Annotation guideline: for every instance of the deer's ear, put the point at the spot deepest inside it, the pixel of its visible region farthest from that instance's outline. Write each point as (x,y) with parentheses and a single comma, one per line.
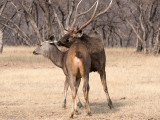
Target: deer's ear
(51,37)
(51,43)
(65,31)
(80,34)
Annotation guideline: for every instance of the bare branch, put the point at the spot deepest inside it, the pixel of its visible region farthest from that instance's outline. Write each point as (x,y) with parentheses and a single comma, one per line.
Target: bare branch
(3,7)
(70,13)
(15,31)
(18,28)
(59,22)
(141,23)
(16,8)
(138,36)
(39,39)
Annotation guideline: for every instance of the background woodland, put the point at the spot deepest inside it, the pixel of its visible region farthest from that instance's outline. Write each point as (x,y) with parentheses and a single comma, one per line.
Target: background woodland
(128,23)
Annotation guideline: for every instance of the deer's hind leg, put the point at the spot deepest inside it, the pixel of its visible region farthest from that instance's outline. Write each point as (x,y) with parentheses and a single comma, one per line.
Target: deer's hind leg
(77,97)
(86,93)
(104,83)
(79,104)
(66,85)
(74,88)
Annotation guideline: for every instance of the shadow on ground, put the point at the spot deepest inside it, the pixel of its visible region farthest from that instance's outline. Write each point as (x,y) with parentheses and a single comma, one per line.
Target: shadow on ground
(103,108)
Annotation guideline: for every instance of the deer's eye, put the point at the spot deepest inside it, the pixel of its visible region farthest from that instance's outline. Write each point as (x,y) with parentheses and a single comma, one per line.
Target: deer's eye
(67,40)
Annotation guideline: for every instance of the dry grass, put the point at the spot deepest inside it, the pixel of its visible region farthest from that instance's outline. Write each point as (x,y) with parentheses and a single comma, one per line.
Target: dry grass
(32,87)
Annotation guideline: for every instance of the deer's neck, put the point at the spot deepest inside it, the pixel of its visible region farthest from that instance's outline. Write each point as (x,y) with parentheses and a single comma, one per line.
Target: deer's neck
(56,57)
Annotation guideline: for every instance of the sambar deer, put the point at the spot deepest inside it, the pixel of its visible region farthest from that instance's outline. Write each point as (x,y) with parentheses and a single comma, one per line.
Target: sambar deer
(75,62)
(93,42)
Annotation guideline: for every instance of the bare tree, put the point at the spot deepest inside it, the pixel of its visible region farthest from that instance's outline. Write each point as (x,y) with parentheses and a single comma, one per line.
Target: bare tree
(144,22)
(157,42)
(1,34)
(1,42)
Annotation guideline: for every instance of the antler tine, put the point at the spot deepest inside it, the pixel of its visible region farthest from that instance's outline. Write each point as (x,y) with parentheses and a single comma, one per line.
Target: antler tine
(78,7)
(69,15)
(78,15)
(87,10)
(59,22)
(92,18)
(104,10)
(94,15)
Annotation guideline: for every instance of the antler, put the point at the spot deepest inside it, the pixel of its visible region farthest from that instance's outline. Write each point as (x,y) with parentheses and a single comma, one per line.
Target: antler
(94,16)
(80,14)
(77,15)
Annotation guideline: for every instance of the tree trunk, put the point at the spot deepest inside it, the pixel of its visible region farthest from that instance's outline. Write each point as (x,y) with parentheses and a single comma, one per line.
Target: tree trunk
(47,19)
(157,44)
(150,36)
(151,41)
(33,23)
(129,38)
(1,34)
(139,46)
(1,42)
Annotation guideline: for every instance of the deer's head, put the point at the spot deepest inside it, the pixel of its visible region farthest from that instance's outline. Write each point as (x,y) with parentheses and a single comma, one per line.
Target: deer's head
(45,47)
(70,34)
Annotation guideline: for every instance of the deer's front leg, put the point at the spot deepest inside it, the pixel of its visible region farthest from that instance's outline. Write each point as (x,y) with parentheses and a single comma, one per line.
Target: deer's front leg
(79,104)
(66,85)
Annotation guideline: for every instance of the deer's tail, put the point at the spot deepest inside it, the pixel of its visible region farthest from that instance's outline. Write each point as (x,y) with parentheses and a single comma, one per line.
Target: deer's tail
(78,54)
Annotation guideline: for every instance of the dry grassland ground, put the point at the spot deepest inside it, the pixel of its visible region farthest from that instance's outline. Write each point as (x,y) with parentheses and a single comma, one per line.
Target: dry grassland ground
(31,87)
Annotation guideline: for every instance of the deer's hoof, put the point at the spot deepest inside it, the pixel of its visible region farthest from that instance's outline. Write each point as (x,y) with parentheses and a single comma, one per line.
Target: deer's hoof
(76,112)
(72,116)
(89,114)
(79,104)
(64,103)
(110,104)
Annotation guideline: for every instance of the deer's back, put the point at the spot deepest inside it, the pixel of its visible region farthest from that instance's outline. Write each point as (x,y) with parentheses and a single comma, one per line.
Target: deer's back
(93,42)
(95,46)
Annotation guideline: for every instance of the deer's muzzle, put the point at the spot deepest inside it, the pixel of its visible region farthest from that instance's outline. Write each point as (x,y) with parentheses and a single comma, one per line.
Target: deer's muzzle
(35,53)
